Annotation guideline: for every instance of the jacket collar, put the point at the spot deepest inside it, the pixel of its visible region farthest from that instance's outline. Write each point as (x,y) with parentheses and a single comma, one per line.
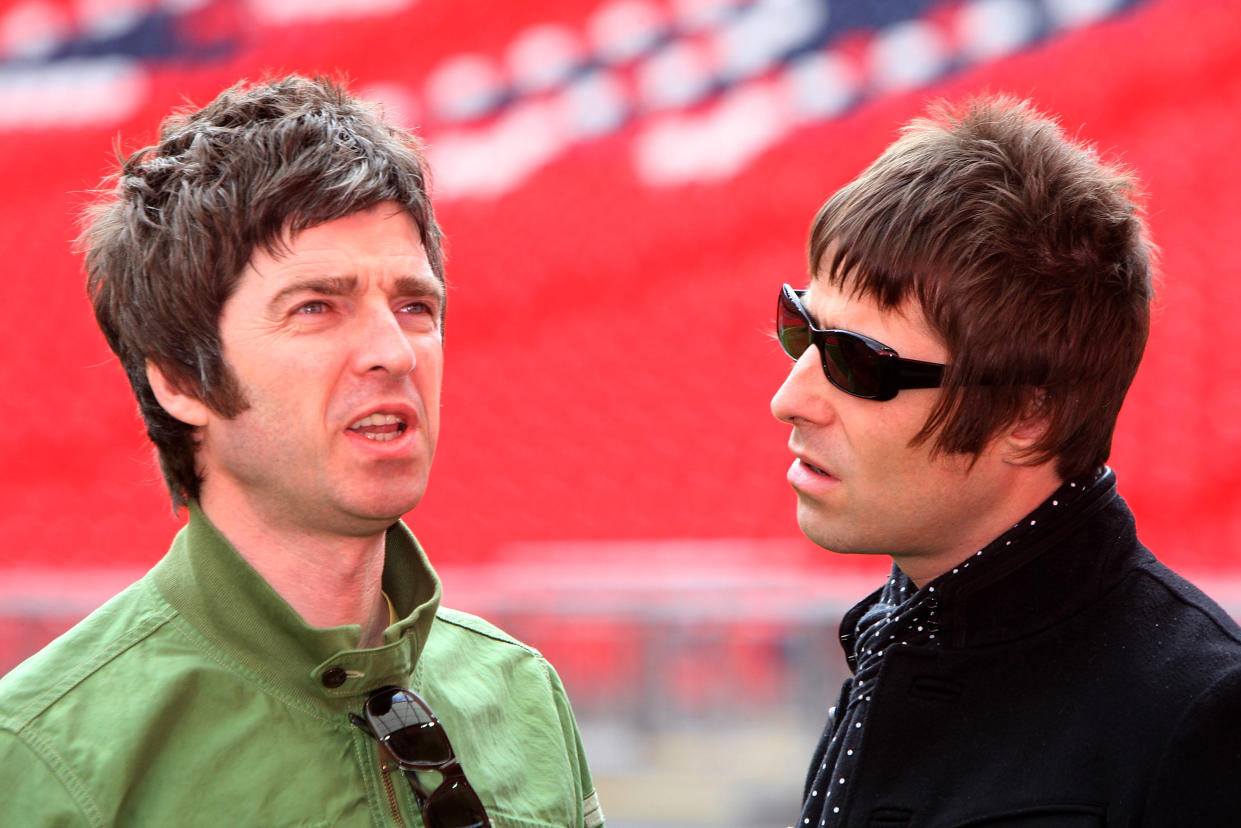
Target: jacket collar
(225,601)
(1058,559)
(1054,571)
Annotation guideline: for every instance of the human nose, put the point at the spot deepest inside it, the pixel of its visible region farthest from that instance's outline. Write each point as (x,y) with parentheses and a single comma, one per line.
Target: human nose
(383,345)
(803,396)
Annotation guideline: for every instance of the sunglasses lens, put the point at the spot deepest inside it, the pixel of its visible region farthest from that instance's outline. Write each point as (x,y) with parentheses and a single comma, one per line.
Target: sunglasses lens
(420,745)
(414,737)
(455,805)
(404,723)
(792,329)
(851,364)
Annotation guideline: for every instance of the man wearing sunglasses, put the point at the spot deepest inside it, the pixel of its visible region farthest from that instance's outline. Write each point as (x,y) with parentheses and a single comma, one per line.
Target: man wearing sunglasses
(270,276)
(978,305)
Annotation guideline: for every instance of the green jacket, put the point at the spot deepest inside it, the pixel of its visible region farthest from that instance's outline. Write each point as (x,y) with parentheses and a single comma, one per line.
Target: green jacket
(198,697)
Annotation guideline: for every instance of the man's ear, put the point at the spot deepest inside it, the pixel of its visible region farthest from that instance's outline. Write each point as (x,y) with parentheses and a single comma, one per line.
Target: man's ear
(186,408)
(1022,435)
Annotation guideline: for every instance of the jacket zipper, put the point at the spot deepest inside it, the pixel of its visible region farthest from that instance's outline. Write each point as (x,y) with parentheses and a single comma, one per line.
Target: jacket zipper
(385,770)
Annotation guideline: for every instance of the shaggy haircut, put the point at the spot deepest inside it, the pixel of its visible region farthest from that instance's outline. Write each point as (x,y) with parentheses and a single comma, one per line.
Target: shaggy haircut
(1027,255)
(167,244)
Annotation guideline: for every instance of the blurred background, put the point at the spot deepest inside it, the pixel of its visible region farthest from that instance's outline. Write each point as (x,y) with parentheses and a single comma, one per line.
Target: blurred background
(624,184)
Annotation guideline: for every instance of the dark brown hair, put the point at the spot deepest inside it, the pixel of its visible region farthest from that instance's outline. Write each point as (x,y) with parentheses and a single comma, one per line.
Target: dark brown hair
(167,244)
(1029,258)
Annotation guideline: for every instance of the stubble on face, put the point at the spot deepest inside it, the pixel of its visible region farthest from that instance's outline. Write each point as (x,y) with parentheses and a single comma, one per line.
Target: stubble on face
(335,339)
(864,485)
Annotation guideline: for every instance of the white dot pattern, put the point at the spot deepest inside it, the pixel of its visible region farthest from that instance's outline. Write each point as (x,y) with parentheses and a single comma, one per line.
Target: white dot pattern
(911,616)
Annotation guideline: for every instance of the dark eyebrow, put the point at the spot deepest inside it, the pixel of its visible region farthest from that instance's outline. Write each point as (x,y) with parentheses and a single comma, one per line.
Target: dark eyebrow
(420,286)
(326,286)
(348,285)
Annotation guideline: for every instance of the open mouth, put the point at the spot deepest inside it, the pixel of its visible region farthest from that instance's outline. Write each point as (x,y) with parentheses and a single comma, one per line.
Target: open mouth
(815,469)
(380,427)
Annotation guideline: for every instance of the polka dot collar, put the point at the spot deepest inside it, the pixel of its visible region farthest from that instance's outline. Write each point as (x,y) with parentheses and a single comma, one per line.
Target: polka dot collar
(903,616)
(906,598)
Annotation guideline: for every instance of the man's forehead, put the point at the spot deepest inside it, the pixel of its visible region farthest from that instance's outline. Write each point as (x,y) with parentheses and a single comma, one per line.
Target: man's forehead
(827,295)
(328,263)
(852,283)
(360,230)
(834,303)
(378,246)
(294,227)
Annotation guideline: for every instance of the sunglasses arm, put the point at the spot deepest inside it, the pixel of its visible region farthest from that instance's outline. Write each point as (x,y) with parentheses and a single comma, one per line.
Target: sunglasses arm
(361,725)
(911,373)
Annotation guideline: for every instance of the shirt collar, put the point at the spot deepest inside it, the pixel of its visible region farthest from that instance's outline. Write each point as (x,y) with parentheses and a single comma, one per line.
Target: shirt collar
(995,587)
(1028,536)
(228,603)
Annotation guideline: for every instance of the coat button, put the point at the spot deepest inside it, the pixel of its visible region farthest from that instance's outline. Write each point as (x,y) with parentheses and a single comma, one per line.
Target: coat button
(334,677)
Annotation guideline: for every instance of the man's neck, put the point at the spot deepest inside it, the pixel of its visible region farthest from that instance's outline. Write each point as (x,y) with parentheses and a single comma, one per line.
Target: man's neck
(330,580)
(1024,493)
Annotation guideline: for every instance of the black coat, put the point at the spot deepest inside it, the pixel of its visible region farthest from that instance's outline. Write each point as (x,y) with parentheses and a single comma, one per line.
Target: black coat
(1080,683)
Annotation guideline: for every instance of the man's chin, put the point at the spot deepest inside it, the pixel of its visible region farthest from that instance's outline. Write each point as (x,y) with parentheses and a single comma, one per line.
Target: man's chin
(373,515)
(813,525)
(827,533)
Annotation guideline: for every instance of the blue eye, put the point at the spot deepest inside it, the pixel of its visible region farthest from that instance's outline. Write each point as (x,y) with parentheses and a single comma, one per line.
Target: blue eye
(312,308)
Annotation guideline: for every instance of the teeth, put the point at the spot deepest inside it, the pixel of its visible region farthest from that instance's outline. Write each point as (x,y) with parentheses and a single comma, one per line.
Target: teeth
(381,438)
(377,420)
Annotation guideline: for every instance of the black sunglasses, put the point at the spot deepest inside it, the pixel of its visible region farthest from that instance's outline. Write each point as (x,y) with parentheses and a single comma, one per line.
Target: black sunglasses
(855,364)
(403,723)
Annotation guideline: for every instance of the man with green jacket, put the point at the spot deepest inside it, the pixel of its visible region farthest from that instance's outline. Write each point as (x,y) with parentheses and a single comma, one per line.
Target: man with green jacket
(270,276)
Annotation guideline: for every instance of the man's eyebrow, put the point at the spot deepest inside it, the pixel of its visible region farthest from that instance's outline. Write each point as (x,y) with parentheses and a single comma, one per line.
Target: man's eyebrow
(420,286)
(348,285)
(325,285)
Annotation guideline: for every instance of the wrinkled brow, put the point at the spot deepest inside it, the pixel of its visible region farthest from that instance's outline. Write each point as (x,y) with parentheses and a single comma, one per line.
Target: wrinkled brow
(349,286)
(420,286)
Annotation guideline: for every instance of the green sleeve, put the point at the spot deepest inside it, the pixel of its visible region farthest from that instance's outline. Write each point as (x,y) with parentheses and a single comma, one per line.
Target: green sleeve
(40,790)
(592,813)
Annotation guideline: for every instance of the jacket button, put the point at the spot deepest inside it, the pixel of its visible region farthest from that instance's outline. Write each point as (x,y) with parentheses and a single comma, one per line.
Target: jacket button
(333,677)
